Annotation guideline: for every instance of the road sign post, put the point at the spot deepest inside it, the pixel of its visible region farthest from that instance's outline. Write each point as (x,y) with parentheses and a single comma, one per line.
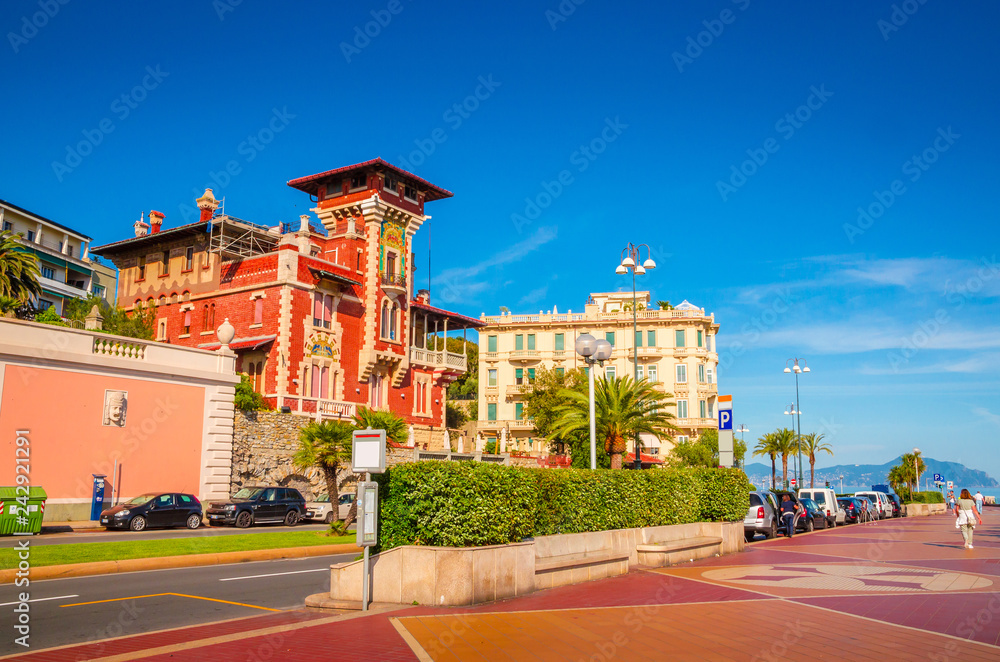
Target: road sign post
(367,457)
(725,407)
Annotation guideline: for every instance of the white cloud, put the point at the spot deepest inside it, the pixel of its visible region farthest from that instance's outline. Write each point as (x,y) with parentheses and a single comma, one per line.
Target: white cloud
(987,414)
(534,296)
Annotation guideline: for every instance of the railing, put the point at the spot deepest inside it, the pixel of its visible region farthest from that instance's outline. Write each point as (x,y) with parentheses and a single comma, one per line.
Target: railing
(582,317)
(522,423)
(392,280)
(438,359)
(525,354)
(518,389)
(119,348)
(335,408)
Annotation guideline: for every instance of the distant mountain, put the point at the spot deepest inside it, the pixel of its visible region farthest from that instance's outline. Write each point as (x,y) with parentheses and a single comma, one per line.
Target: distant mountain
(867,475)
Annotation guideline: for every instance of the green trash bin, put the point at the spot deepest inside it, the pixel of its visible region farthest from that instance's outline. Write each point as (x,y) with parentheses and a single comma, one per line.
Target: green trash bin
(13,511)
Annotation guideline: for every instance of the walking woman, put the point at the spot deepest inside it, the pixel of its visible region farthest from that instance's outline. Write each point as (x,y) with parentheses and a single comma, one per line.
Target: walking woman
(965,511)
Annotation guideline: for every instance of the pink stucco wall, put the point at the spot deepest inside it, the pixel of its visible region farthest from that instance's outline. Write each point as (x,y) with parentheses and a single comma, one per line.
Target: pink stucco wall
(158,449)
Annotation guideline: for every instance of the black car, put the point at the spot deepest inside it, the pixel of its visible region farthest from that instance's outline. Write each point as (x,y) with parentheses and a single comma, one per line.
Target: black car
(816,518)
(852,508)
(897,508)
(154,509)
(257,505)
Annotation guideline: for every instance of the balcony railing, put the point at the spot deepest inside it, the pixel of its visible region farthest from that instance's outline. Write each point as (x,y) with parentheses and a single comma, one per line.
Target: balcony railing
(519,389)
(438,359)
(625,315)
(336,409)
(397,281)
(525,354)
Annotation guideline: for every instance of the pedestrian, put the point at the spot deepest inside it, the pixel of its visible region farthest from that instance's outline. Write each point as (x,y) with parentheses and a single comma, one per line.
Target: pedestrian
(788,508)
(951,500)
(979,499)
(965,512)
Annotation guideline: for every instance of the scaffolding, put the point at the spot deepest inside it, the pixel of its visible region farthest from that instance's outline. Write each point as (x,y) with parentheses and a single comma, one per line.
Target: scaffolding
(235,239)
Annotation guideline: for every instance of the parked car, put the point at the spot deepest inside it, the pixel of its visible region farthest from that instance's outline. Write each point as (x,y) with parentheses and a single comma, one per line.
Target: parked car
(322,509)
(762,517)
(868,509)
(853,509)
(798,522)
(897,505)
(258,505)
(815,518)
(826,498)
(154,509)
(881,502)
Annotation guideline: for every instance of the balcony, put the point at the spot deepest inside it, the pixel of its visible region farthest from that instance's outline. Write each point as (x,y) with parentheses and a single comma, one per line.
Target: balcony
(438,359)
(335,409)
(519,390)
(695,422)
(392,282)
(525,355)
(59,287)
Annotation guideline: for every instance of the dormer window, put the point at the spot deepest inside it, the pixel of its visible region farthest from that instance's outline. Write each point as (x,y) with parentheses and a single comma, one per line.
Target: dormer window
(410,193)
(391,185)
(358,182)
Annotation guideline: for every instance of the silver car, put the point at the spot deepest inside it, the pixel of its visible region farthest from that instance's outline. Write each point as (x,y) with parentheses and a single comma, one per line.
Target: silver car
(761,516)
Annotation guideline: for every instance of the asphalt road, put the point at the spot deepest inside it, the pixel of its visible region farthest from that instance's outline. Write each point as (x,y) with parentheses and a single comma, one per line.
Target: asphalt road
(100,535)
(135,604)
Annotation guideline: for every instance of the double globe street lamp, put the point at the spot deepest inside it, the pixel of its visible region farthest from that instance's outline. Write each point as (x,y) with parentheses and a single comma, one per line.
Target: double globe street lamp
(593,351)
(798,414)
(630,262)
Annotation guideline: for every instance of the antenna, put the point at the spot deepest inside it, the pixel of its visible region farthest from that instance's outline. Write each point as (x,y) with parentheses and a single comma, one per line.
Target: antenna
(428,262)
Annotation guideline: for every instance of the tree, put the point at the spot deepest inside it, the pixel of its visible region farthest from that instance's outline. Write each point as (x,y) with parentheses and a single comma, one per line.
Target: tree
(247,399)
(704,451)
(766,445)
(325,445)
(812,444)
(624,409)
(455,416)
(906,465)
(898,479)
(466,387)
(139,324)
(19,270)
(786,443)
(546,396)
(396,429)
(664,305)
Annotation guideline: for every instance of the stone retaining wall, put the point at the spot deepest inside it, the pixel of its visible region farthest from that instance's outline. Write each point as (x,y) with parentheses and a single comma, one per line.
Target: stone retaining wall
(924,509)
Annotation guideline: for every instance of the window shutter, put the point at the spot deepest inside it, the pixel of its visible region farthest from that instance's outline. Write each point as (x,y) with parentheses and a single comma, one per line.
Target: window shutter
(651,339)
(492,344)
(638,338)
(560,342)
(531,341)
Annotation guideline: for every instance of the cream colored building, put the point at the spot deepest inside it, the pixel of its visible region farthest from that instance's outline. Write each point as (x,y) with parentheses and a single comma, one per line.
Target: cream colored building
(67,269)
(676,350)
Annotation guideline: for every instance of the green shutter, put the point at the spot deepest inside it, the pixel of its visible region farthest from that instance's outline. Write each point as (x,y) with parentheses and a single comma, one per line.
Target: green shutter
(638,338)
(518,373)
(518,410)
(610,337)
(651,339)
(519,341)
(560,342)
(491,411)
(700,339)
(492,344)
(531,341)
(561,371)
(679,338)
(531,374)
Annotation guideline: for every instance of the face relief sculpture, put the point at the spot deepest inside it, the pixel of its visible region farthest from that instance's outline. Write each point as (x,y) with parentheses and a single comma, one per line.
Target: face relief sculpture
(115,403)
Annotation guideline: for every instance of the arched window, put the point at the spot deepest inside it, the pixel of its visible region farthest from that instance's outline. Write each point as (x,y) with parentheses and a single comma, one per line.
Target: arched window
(204,319)
(393,322)
(385,319)
(211,318)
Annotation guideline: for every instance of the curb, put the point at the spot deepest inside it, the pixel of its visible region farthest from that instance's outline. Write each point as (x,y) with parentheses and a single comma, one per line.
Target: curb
(166,562)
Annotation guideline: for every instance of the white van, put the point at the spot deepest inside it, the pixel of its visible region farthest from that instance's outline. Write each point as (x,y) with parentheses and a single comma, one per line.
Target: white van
(881,502)
(826,498)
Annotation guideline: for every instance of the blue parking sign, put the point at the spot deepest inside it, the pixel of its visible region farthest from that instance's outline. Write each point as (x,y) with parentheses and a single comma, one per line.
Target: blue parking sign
(938,478)
(725,419)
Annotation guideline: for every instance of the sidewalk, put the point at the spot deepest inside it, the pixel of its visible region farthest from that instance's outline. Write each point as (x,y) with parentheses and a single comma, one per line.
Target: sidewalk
(902,589)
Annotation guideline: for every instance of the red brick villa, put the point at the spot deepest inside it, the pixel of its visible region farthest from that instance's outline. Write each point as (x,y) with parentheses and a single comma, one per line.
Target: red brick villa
(324,323)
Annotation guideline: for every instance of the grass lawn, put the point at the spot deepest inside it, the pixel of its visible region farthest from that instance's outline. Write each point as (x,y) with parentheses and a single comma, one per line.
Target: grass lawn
(85,552)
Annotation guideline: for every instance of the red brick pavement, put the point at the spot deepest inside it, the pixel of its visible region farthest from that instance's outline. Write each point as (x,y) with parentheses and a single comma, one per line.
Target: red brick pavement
(889,620)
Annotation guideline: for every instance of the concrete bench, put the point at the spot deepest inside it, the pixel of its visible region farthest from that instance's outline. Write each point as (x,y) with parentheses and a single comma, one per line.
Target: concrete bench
(579,557)
(658,554)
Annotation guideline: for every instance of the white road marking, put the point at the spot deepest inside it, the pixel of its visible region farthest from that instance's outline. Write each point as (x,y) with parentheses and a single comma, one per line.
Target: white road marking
(273,574)
(58,597)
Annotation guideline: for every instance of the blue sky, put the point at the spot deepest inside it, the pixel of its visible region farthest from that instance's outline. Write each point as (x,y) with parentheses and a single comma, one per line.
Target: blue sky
(737,139)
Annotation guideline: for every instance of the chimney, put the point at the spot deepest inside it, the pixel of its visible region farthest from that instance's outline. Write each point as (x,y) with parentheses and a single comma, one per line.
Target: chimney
(207,204)
(424,296)
(141,228)
(155,221)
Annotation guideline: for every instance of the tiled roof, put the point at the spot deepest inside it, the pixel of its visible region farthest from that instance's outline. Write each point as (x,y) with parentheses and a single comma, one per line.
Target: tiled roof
(112,247)
(467,321)
(310,183)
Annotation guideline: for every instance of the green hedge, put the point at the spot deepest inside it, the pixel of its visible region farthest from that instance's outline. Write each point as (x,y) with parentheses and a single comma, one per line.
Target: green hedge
(464,504)
(927,497)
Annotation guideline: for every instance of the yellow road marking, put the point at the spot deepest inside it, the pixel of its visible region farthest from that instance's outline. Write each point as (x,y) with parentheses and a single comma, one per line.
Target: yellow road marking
(180,595)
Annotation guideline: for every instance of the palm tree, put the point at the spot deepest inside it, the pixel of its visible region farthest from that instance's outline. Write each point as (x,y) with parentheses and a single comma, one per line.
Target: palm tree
(812,444)
(785,442)
(664,305)
(624,408)
(897,478)
(767,446)
(395,427)
(19,270)
(326,445)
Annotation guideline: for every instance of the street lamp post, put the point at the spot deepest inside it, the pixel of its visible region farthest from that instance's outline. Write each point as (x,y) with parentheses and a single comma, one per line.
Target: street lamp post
(630,262)
(841,484)
(593,352)
(793,411)
(796,369)
(916,474)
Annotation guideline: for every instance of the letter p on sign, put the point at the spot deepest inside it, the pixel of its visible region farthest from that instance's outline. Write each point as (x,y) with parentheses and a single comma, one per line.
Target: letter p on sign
(725,419)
